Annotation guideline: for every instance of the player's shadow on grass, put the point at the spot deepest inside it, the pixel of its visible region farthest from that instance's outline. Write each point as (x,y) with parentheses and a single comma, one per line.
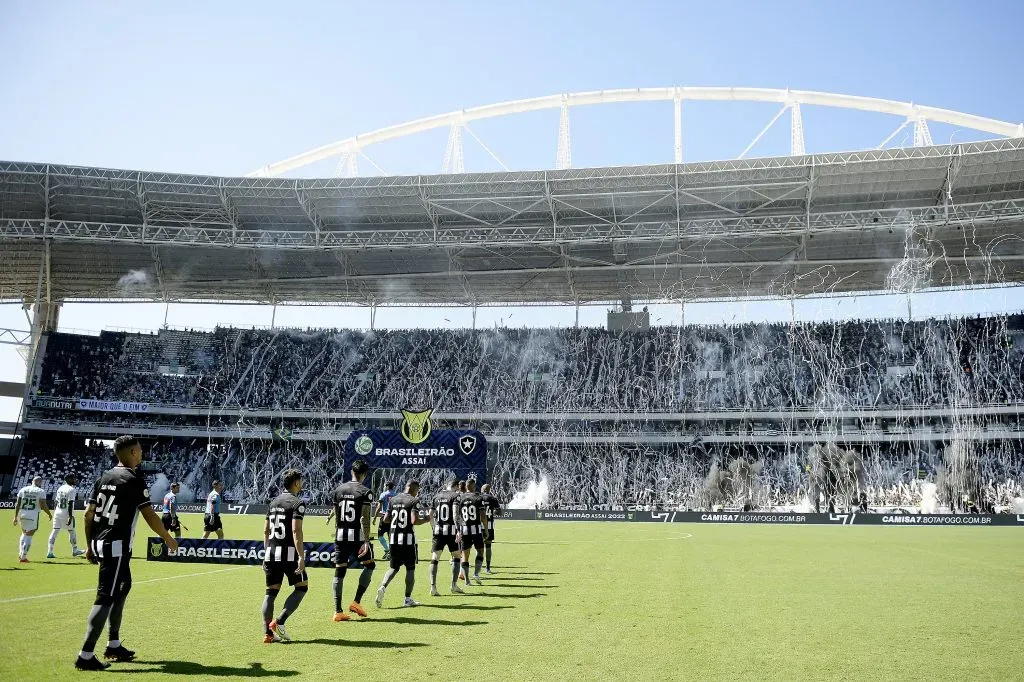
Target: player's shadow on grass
(409,620)
(514,586)
(191,668)
(362,644)
(51,562)
(514,577)
(510,595)
(465,607)
(532,572)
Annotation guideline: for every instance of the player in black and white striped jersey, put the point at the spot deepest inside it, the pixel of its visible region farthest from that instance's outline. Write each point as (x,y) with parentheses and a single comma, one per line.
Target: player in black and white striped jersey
(352,538)
(474,527)
(403,516)
(284,556)
(109,520)
(444,515)
(492,509)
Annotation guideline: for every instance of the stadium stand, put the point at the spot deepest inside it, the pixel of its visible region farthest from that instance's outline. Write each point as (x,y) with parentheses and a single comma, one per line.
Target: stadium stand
(744,367)
(620,380)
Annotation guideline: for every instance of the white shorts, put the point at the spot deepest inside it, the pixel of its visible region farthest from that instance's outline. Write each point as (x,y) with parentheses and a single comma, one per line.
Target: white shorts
(29,522)
(63,520)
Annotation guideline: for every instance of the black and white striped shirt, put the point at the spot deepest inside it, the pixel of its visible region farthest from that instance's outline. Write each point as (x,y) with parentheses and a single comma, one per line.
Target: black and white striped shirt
(402,514)
(471,506)
(118,496)
(280,541)
(350,503)
(446,514)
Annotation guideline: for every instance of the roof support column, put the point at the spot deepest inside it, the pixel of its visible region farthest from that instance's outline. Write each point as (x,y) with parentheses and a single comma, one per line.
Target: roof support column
(796,131)
(453,152)
(310,210)
(677,120)
(922,135)
(563,159)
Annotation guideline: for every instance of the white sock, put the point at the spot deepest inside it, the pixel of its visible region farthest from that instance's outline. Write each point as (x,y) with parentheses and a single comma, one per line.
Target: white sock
(86,654)
(114,643)
(49,543)
(28,543)
(74,541)
(21,546)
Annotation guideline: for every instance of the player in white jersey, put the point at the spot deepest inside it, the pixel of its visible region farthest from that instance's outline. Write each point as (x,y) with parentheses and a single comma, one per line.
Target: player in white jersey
(31,499)
(64,516)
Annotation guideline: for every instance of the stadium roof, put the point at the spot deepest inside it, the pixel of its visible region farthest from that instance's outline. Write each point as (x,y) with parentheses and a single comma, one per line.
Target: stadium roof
(952,215)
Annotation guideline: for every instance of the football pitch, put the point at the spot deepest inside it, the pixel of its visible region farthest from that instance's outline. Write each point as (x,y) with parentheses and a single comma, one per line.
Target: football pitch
(567,600)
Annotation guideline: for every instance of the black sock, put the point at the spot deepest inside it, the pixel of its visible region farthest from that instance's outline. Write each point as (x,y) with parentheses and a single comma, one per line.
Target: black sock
(465,571)
(339,583)
(268,609)
(97,619)
(388,576)
(487,555)
(477,565)
(433,573)
(364,581)
(292,603)
(410,582)
(455,571)
(114,620)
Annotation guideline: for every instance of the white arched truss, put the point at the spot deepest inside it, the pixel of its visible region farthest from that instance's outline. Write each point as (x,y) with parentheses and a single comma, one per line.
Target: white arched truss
(913,114)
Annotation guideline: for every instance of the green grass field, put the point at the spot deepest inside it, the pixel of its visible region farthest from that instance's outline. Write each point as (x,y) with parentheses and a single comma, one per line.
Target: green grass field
(569,600)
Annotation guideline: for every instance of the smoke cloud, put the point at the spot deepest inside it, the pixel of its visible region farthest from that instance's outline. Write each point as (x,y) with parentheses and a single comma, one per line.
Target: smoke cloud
(134,278)
(536,495)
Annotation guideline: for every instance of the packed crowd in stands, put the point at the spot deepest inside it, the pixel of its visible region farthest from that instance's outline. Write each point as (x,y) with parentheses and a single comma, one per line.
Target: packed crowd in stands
(823,367)
(744,367)
(667,476)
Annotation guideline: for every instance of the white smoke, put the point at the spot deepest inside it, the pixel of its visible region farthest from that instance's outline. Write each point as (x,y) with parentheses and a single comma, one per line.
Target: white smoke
(929,498)
(535,495)
(161,485)
(185,494)
(134,277)
(159,488)
(805,506)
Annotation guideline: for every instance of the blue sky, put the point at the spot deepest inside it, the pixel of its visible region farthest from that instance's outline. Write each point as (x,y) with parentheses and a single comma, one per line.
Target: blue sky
(225,87)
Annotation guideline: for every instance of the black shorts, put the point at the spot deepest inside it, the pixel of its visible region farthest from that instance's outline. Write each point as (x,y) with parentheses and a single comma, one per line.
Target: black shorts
(277,571)
(115,579)
(211,523)
(443,542)
(470,541)
(347,553)
(404,555)
(383,528)
(171,523)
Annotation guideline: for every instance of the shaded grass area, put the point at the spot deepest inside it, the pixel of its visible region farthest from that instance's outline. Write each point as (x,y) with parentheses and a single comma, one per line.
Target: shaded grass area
(586,600)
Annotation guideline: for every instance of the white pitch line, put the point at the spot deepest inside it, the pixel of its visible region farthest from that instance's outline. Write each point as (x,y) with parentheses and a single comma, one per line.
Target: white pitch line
(141,582)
